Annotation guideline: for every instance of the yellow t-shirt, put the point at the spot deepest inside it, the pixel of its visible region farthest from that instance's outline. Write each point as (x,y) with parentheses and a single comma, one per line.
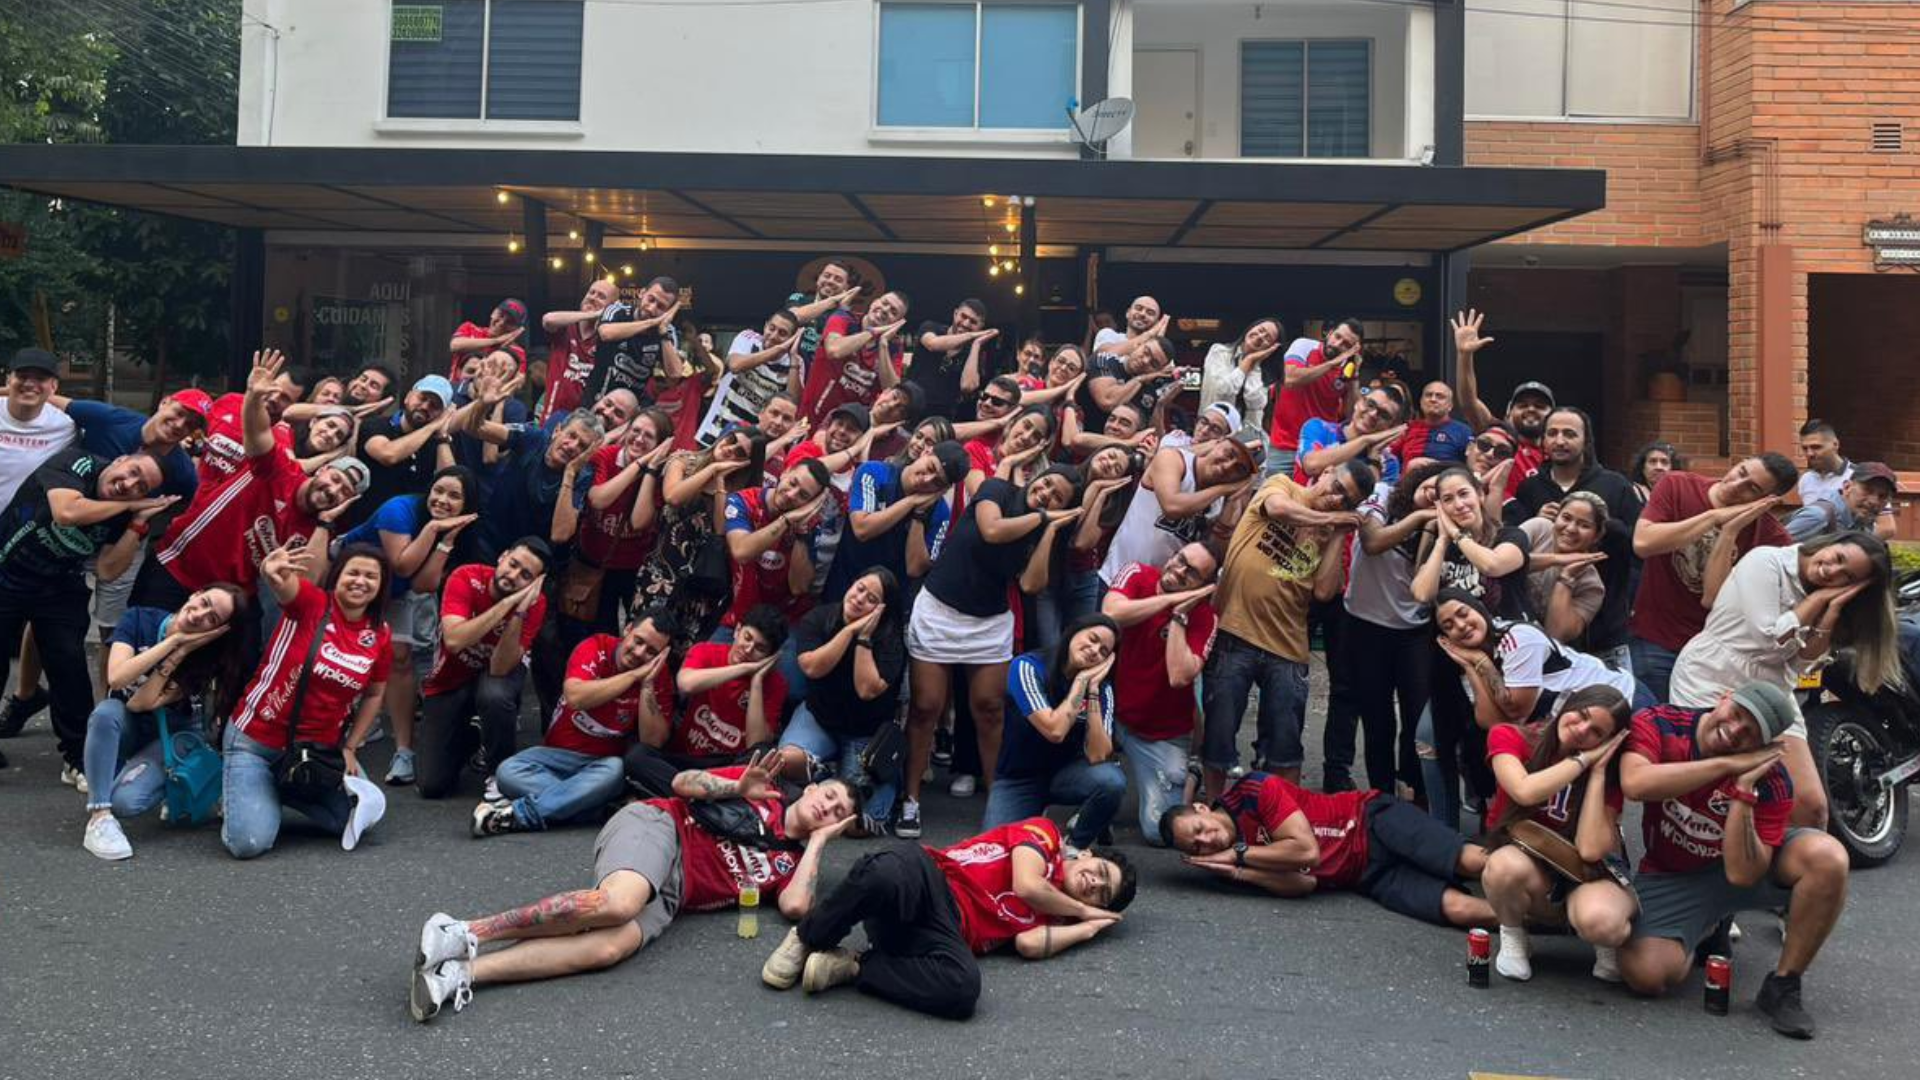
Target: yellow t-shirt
(1267,581)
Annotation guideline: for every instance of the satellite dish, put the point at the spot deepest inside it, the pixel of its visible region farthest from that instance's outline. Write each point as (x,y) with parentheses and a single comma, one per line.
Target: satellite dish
(1101,121)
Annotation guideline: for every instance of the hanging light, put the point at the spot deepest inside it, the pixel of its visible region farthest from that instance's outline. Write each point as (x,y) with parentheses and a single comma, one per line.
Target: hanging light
(556,262)
(626,269)
(1011,227)
(513,245)
(573,234)
(501,197)
(993,270)
(993,249)
(987,202)
(1019,290)
(587,257)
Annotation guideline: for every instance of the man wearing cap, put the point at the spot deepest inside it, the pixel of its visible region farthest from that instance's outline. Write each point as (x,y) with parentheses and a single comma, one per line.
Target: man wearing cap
(502,334)
(403,452)
(637,342)
(232,524)
(1718,843)
(572,340)
(30,430)
(1184,489)
(1863,498)
(1527,406)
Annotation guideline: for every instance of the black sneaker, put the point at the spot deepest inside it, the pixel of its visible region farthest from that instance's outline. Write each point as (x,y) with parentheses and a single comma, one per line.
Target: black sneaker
(1718,943)
(493,819)
(1779,998)
(943,748)
(20,710)
(907,827)
(1335,781)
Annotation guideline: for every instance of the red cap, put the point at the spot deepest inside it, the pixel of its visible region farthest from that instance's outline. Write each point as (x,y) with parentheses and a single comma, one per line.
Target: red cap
(197,402)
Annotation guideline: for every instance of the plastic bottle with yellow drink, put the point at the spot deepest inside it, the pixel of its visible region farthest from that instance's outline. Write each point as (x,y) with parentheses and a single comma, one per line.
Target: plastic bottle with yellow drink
(749,910)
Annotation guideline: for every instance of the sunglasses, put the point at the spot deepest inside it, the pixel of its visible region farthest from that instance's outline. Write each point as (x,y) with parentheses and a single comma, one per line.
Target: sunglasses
(1493,446)
(998,402)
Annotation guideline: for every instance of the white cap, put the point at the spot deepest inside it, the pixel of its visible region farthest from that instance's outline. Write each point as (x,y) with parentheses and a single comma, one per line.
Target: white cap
(369,806)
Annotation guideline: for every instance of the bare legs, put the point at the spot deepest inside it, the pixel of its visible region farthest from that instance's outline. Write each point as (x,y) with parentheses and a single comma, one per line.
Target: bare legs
(564,934)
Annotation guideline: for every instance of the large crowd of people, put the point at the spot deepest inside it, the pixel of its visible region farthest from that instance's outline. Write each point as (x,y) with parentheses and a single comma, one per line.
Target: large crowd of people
(764,598)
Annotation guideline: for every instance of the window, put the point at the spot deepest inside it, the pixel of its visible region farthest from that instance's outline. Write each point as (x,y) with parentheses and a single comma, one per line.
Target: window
(1306,98)
(1580,59)
(977,65)
(485,60)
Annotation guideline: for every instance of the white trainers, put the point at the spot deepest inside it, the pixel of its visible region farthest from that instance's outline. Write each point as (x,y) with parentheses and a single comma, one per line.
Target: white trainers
(444,938)
(826,970)
(963,786)
(74,779)
(434,987)
(782,969)
(1606,963)
(1516,954)
(106,839)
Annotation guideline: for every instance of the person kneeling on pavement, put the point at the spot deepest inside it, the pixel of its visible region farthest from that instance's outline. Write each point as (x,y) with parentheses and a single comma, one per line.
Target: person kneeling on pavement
(1292,842)
(721,831)
(731,698)
(928,913)
(612,694)
(1718,843)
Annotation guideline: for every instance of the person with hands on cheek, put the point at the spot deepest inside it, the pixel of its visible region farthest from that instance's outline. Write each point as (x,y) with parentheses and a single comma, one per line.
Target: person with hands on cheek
(731,699)
(1555,775)
(1233,374)
(928,913)
(325,665)
(720,832)
(1060,752)
(613,696)
(1719,842)
(1275,835)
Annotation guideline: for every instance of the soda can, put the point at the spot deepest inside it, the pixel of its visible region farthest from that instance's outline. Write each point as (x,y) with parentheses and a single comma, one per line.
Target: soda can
(1479,958)
(1719,984)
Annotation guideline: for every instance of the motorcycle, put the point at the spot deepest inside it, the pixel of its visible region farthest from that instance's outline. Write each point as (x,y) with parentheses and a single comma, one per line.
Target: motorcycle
(1867,746)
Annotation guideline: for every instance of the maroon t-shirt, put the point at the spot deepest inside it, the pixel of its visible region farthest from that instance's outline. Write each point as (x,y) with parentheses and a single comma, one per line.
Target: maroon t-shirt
(1669,609)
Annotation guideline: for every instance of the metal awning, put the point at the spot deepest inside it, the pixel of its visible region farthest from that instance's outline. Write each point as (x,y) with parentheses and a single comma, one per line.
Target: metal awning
(829,200)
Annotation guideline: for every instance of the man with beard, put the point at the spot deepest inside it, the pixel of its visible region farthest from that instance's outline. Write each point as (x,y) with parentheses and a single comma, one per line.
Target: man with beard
(1144,322)
(759,366)
(1827,470)
(637,342)
(948,365)
(857,358)
(1183,491)
(406,450)
(1859,504)
(1675,536)
(573,341)
(833,289)
(1142,376)
(1527,406)
(1318,378)
(526,494)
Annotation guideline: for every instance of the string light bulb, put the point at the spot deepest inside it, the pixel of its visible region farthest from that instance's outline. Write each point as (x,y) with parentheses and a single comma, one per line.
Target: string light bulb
(573,234)
(513,245)
(587,257)
(1019,290)
(993,270)
(626,269)
(556,262)
(987,202)
(1011,227)
(501,197)
(993,249)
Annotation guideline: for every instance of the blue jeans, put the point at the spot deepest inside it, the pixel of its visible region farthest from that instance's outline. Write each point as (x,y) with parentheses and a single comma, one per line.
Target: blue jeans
(253,807)
(1095,789)
(1653,666)
(1278,461)
(125,766)
(1061,603)
(788,667)
(550,786)
(1232,672)
(841,754)
(1159,773)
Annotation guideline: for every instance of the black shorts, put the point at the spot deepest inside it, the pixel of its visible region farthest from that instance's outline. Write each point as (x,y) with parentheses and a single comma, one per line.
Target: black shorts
(1411,860)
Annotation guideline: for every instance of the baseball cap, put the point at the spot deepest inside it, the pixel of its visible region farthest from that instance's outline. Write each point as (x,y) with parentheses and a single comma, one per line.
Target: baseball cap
(861,416)
(369,806)
(1252,445)
(1532,388)
(513,309)
(197,402)
(438,386)
(1227,412)
(1874,470)
(355,471)
(34,360)
(1769,706)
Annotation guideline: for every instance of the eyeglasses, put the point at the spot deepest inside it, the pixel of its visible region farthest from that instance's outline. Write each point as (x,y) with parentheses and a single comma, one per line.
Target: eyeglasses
(1493,446)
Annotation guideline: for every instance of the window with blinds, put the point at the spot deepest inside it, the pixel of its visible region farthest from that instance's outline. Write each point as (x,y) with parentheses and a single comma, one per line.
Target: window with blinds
(485,60)
(1306,98)
(982,65)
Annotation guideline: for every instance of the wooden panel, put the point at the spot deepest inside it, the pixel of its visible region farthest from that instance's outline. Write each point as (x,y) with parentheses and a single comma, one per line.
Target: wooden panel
(1094,233)
(895,209)
(1484,218)
(746,204)
(1285,215)
(1209,236)
(139,195)
(814,228)
(1119,211)
(950,232)
(598,201)
(384,220)
(292,196)
(1408,239)
(697,225)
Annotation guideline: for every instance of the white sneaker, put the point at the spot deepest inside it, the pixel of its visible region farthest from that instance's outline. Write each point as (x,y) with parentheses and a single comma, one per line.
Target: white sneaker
(74,779)
(444,938)
(826,970)
(1606,963)
(1734,933)
(1515,960)
(963,786)
(491,793)
(434,987)
(783,968)
(106,839)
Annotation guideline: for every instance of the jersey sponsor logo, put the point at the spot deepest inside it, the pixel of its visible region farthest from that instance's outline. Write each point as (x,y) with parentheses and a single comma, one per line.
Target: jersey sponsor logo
(1690,830)
(978,854)
(586,724)
(331,653)
(706,731)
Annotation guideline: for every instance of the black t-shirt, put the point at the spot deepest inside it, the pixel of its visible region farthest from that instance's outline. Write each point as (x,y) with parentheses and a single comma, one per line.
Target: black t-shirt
(971,575)
(1608,627)
(412,476)
(938,374)
(627,365)
(1505,596)
(36,552)
(835,703)
(1094,418)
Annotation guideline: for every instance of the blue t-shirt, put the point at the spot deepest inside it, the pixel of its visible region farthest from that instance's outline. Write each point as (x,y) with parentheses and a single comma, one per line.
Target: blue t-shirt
(1448,442)
(402,515)
(110,431)
(1024,752)
(471,452)
(524,492)
(141,628)
(1318,434)
(876,486)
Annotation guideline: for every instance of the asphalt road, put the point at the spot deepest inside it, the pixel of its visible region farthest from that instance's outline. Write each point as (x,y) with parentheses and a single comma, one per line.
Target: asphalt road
(184,963)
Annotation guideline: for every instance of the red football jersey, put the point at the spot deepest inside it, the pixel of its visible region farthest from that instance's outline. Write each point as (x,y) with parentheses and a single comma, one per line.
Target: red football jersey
(1559,812)
(1259,803)
(352,656)
(1686,833)
(714,722)
(608,729)
(980,873)
(1145,702)
(714,870)
(468,592)
(232,523)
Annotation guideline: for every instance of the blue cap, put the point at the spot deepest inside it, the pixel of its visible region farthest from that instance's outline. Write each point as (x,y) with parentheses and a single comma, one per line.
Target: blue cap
(438,386)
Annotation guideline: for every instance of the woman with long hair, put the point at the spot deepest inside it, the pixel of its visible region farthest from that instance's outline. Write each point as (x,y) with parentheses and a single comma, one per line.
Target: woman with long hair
(696,486)
(854,654)
(1021,446)
(1233,373)
(1513,669)
(1779,614)
(1559,773)
(1113,472)
(1655,460)
(423,537)
(317,691)
(1563,586)
(184,664)
(1058,750)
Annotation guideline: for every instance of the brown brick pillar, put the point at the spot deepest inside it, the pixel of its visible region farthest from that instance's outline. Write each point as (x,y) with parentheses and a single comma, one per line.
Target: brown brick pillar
(1779,387)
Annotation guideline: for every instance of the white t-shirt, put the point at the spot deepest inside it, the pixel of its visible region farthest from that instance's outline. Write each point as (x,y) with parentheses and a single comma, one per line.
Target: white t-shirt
(1147,536)
(1380,587)
(26,444)
(1109,336)
(1751,633)
(739,399)
(1529,658)
(1222,380)
(1815,486)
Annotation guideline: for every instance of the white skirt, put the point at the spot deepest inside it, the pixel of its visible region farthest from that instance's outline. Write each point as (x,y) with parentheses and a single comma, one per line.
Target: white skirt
(940,635)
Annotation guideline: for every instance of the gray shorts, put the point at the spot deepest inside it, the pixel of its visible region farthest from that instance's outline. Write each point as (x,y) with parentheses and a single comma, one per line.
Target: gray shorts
(1686,907)
(414,618)
(110,597)
(643,839)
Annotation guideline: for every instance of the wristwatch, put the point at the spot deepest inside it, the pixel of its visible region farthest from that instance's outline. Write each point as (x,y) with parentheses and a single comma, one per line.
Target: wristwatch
(1239,853)
(863,642)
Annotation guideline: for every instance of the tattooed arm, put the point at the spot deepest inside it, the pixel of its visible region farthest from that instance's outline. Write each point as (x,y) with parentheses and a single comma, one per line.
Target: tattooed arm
(797,898)
(756,782)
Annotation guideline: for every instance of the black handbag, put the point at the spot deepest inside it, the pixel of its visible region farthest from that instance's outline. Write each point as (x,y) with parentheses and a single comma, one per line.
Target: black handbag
(711,574)
(884,755)
(738,821)
(308,772)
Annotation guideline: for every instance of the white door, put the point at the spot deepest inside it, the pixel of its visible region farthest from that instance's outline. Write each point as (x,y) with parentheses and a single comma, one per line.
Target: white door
(1166,100)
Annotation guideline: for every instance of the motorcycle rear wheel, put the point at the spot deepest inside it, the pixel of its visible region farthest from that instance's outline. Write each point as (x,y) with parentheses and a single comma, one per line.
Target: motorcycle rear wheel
(1850,747)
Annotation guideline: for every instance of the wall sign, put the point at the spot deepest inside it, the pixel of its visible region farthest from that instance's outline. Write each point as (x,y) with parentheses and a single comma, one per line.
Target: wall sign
(416,23)
(1895,242)
(1406,292)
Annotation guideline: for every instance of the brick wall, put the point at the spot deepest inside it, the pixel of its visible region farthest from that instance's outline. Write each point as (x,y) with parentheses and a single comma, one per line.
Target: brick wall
(1696,427)
(1653,177)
